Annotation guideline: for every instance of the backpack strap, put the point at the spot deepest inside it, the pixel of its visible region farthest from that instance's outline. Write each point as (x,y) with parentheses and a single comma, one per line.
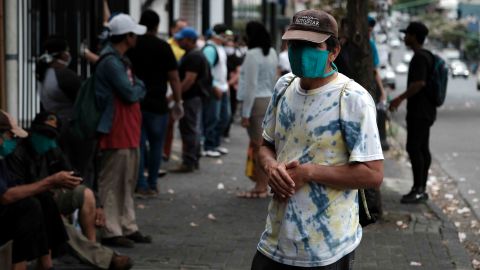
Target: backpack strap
(342,131)
(284,90)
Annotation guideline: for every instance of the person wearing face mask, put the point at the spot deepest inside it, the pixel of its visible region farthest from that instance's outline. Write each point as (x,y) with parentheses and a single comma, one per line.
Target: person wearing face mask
(59,84)
(320,144)
(28,212)
(38,156)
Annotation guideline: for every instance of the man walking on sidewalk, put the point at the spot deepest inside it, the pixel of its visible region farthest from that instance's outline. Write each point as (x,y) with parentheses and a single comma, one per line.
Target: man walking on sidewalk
(321,144)
(421,111)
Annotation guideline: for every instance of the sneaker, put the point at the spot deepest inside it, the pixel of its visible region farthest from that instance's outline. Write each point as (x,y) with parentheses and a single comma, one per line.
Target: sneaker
(183,168)
(138,237)
(120,262)
(162,173)
(118,241)
(414,197)
(222,150)
(212,153)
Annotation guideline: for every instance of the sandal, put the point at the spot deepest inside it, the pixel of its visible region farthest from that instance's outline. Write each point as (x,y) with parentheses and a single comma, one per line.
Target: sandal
(253,194)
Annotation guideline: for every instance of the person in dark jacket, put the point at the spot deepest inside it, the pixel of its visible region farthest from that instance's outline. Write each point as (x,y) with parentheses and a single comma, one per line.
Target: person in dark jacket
(27,210)
(38,156)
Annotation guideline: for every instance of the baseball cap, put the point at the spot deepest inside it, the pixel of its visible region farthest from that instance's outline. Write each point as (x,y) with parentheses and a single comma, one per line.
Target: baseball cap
(416,28)
(123,24)
(186,32)
(8,123)
(311,25)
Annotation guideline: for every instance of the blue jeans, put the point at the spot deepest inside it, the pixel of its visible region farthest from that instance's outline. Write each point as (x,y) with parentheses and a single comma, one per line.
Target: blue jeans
(216,116)
(154,128)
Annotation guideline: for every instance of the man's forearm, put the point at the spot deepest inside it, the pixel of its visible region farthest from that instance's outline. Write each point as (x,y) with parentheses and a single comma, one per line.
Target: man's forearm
(352,176)
(267,155)
(174,80)
(17,193)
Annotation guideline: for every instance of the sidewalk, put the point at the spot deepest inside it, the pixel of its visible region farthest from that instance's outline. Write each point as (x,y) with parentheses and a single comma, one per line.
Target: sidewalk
(198,223)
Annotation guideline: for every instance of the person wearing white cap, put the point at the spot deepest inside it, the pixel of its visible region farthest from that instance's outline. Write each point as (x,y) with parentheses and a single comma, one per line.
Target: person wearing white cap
(119,93)
(320,145)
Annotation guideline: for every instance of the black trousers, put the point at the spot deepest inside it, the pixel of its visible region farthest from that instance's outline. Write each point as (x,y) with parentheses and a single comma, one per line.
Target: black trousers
(190,130)
(23,223)
(418,136)
(262,262)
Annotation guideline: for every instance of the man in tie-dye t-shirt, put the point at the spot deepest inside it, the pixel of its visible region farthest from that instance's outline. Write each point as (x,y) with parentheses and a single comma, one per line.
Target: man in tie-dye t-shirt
(321,145)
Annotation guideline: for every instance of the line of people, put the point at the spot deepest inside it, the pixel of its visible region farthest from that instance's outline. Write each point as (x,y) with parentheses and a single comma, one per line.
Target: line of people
(143,85)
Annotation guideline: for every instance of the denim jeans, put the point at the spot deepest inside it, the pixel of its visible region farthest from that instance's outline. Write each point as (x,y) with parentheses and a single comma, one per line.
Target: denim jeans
(216,118)
(154,128)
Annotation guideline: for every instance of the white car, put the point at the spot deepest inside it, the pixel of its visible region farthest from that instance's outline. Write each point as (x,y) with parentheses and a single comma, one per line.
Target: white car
(401,68)
(478,80)
(388,76)
(407,57)
(459,69)
(395,43)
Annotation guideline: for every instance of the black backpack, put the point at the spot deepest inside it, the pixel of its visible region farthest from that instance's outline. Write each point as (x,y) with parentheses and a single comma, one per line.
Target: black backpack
(438,80)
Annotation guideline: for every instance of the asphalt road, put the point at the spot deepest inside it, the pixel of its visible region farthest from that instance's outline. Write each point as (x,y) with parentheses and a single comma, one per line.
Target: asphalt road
(455,136)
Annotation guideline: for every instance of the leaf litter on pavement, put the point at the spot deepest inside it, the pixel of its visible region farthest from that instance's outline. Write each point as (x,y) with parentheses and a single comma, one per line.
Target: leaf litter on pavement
(445,194)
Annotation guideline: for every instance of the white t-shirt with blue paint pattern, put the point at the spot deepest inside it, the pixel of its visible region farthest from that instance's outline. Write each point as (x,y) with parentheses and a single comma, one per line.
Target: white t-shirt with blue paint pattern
(318,225)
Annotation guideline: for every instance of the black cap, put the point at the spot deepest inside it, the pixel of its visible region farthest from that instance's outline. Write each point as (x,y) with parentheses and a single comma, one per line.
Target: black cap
(416,28)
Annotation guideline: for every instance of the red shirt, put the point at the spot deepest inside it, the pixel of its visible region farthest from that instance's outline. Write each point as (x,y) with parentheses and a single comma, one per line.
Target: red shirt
(126,127)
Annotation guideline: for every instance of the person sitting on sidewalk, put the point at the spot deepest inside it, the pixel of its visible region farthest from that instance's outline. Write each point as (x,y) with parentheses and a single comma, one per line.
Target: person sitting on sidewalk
(28,212)
(39,155)
(196,83)
(321,144)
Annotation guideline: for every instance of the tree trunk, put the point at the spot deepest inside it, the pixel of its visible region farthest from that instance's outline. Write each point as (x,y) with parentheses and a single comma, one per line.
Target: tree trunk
(361,60)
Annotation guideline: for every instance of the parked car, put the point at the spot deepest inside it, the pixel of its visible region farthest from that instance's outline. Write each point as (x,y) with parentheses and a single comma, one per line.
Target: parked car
(407,57)
(401,68)
(478,80)
(394,43)
(388,75)
(459,69)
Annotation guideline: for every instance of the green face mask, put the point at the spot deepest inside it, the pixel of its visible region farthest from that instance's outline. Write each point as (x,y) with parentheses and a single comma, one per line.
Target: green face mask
(42,144)
(309,62)
(7,147)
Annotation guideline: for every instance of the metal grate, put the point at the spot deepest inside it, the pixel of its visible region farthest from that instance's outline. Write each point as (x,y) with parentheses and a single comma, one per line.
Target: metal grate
(76,20)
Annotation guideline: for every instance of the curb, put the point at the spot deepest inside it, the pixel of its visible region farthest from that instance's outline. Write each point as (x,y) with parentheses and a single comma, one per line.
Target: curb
(459,255)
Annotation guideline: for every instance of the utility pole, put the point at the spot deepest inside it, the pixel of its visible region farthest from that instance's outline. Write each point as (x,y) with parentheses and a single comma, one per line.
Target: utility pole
(361,60)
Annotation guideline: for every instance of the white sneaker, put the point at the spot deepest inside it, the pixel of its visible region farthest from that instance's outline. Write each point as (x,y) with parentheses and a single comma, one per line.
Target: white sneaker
(212,153)
(222,150)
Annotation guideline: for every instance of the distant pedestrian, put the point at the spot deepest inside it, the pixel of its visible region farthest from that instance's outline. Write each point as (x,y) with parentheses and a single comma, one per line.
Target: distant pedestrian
(421,111)
(216,108)
(196,81)
(234,61)
(155,64)
(380,96)
(119,93)
(177,26)
(283,62)
(320,145)
(257,80)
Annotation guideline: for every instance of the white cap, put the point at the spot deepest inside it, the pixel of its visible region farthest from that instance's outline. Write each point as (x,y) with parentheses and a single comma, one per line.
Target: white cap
(122,24)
